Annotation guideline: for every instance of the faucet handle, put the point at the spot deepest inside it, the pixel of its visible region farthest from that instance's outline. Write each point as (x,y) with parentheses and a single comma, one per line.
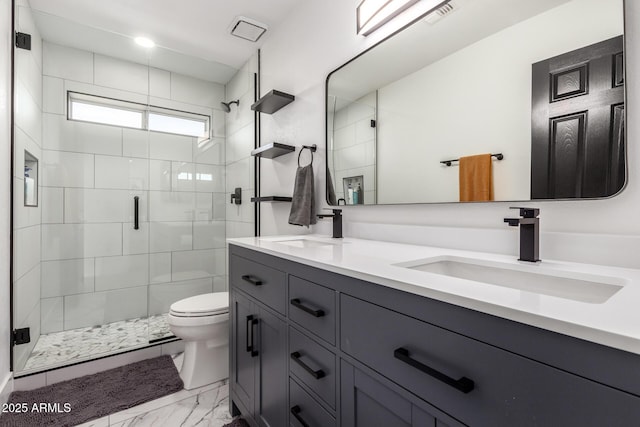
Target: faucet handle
(335,211)
(528,212)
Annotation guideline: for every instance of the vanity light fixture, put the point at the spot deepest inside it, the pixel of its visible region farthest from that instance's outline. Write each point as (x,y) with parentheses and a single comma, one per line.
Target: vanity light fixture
(373,14)
(144,42)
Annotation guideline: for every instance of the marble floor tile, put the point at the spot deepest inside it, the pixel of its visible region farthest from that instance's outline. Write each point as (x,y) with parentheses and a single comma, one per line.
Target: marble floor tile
(206,409)
(80,344)
(161,402)
(100,422)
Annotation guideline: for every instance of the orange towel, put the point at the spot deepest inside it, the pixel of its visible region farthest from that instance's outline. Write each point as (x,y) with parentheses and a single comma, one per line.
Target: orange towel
(476,182)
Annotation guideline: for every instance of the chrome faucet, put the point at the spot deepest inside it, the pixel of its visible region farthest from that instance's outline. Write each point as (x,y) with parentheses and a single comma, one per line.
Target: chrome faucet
(337,222)
(529,233)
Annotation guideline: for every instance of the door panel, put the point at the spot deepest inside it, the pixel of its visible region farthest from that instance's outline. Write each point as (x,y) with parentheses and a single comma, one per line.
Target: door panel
(578,123)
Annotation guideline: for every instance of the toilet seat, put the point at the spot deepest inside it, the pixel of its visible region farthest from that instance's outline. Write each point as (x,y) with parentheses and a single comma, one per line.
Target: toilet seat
(205,305)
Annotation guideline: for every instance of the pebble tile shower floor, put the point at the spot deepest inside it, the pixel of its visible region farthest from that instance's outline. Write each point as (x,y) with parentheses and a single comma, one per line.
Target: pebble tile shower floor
(83,343)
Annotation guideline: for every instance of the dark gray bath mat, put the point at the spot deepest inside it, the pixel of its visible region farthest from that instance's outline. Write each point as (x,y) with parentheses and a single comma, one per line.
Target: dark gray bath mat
(238,422)
(93,396)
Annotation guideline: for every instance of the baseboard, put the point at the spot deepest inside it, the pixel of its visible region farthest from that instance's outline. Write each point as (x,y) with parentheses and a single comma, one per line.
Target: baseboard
(6,387)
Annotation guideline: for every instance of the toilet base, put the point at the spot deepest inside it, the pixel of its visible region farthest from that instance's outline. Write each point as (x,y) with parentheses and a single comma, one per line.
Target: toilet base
(204,363)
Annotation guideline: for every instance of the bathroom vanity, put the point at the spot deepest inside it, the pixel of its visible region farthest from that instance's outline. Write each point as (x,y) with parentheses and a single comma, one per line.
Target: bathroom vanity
(361,333)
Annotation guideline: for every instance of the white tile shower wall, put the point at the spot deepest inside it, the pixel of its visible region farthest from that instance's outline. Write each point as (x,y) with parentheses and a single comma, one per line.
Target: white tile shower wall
(97,268)
(27,224)
(288,49)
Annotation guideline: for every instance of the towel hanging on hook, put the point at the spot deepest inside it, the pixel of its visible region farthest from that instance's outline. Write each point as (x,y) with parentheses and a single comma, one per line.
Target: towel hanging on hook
(311,148)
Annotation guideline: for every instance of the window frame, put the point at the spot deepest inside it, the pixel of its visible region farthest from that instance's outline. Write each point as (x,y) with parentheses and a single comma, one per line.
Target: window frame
(144,109)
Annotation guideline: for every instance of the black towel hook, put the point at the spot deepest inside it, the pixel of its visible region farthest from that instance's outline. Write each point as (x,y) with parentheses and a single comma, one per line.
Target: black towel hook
(311,148)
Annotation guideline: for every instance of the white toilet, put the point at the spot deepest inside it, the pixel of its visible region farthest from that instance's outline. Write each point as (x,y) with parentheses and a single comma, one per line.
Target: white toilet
(202,321)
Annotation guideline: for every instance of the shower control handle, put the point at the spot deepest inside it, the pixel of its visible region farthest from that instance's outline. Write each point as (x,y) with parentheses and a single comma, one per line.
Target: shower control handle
(136,213)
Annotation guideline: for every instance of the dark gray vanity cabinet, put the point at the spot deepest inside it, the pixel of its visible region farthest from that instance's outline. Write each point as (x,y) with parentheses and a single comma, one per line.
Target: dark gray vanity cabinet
(366,402)
(335,351)
(258,372)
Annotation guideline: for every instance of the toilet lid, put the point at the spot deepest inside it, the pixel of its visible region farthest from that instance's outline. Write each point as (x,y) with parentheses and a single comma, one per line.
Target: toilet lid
(202,305)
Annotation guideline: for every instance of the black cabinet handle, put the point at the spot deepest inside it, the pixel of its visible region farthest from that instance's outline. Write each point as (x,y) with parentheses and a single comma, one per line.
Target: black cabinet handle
(254,281)
(295,411)
(136,213)
(315,374)
(464,384)
(251,321)
(316,313)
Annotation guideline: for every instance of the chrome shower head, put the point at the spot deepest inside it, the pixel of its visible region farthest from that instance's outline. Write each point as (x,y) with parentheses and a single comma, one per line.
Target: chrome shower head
(226,106)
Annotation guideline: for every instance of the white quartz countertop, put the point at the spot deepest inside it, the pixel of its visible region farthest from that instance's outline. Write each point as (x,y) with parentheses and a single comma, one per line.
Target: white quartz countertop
(614,322)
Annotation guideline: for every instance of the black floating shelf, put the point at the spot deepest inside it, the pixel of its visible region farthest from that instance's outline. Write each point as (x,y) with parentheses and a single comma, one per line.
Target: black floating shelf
(272,102)
(271,199)
(273,150)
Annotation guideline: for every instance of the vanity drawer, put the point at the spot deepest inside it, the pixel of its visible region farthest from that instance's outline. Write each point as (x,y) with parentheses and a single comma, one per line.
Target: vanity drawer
(304,411)
(481,384)
(265,284)
(314,366)
(313,307)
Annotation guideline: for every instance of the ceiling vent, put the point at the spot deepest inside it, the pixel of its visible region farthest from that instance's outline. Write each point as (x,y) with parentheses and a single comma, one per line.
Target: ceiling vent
(248,29)
(442,12)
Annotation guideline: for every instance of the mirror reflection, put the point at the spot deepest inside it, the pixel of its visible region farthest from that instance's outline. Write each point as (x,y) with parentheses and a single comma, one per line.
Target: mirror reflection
(505,100)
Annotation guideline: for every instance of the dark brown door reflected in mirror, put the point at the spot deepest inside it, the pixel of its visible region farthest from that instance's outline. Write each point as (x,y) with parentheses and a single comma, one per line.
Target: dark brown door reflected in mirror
(577,123)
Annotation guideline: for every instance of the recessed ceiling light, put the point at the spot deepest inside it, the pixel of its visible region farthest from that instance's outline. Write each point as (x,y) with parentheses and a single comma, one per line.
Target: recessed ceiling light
(144,42)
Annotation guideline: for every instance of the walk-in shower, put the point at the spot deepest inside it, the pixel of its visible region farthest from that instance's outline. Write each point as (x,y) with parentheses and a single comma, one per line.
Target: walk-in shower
(120,201)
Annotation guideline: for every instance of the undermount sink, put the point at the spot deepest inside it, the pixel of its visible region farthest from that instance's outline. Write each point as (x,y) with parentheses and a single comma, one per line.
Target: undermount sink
(305,243)
(534,278)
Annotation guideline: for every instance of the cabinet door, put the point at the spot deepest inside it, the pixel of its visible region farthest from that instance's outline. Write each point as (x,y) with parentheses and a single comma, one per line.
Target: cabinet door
(243,365)
(367,402)
(271,391)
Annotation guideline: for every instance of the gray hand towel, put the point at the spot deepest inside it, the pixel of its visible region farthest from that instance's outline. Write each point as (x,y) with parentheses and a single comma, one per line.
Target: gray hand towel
(303,203)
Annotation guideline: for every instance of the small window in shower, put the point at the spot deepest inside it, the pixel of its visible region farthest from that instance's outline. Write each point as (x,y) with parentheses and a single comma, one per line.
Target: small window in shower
(107,111)
(181,125)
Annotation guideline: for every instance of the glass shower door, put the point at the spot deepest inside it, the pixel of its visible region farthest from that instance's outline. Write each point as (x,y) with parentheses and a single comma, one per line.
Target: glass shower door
(112,223)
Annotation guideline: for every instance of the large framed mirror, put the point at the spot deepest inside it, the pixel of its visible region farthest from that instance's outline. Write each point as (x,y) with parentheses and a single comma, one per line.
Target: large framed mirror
(535,87)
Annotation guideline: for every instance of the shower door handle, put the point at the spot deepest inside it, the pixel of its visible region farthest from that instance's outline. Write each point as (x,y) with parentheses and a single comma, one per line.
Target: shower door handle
(136,213)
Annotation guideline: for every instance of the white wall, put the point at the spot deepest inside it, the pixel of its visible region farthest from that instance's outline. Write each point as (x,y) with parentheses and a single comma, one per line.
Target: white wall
(5,196)
(446,110)
(320,36)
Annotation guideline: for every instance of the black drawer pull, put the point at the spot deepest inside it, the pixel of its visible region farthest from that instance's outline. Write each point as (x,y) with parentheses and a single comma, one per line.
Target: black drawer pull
(316,313)
(464,384)
(315,374)
(254,281)
(295,411)
(251,321)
